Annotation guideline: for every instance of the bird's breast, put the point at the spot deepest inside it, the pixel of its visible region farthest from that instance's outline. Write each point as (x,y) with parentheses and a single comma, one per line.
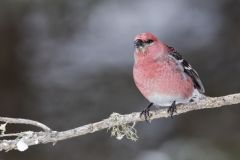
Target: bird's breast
(162,78)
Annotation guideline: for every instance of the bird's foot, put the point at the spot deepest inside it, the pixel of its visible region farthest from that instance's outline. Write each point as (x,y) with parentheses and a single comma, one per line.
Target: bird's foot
(172,109)
(146,113)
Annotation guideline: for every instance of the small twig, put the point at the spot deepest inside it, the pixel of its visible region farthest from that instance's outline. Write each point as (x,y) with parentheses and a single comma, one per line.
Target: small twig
(30,138)
(24,121)
(10,135)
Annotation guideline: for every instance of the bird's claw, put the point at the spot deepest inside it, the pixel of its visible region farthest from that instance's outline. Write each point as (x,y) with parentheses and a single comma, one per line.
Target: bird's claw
(172,109)
(146,113)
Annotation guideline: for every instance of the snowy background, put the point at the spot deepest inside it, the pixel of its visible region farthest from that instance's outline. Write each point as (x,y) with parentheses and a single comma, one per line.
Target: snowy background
(68,63)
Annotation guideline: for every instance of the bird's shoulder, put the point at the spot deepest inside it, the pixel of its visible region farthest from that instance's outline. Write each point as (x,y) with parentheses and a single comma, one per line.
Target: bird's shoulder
(187,68)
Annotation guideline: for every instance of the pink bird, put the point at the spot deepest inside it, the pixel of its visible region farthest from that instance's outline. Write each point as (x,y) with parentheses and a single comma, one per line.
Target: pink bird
(162,75)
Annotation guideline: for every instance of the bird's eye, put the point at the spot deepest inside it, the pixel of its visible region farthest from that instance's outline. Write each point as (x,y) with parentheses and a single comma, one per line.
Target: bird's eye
(149,41)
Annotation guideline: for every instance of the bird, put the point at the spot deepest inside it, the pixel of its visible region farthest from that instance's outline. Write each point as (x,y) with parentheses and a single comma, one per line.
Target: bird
(163,76)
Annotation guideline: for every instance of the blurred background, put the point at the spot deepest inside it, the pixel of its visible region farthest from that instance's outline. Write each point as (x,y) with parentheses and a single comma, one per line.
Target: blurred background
(67,63)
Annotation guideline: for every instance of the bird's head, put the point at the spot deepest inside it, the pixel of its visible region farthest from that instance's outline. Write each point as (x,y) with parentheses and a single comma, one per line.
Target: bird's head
(147,45)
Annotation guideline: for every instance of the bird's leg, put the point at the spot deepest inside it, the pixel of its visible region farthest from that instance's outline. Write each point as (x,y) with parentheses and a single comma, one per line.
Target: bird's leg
(172,109)
(146,113)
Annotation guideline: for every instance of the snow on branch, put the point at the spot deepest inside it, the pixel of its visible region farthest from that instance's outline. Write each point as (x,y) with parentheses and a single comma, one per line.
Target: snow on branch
(119,125)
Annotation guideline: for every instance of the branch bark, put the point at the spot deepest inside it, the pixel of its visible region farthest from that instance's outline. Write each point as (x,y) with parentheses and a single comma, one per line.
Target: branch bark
(30,138)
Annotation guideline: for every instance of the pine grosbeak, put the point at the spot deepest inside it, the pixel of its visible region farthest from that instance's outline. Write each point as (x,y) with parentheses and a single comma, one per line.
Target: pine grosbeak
(162,75)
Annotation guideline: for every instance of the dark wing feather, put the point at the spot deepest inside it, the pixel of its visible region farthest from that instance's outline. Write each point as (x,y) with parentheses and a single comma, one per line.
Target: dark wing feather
(188,70)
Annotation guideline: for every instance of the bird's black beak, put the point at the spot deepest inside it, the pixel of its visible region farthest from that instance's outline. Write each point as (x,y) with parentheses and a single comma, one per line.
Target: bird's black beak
(138,43)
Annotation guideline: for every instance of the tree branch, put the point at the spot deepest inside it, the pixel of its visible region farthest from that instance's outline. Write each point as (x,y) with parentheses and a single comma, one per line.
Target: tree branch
(118,124)
(24,121)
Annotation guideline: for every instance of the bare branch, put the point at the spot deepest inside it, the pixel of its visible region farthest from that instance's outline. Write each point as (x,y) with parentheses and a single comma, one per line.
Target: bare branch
(33,138)
(24,121)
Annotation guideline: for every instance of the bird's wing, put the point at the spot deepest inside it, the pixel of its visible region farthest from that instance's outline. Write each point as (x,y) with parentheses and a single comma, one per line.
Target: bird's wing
(187,69)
